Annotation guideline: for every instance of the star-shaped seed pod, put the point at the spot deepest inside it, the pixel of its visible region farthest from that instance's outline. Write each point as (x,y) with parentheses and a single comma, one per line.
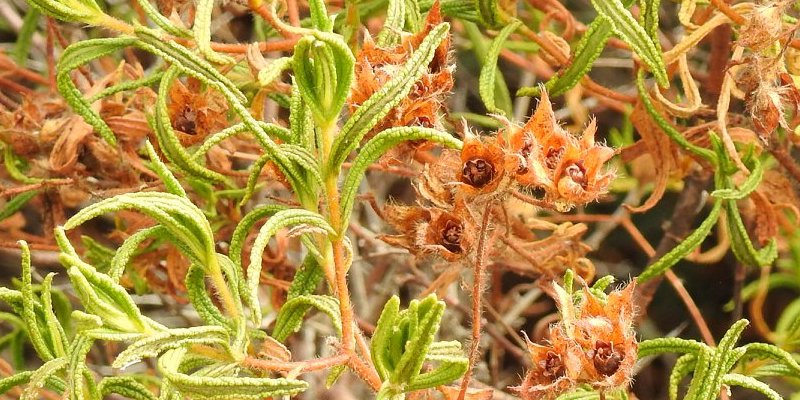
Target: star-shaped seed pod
(376,65)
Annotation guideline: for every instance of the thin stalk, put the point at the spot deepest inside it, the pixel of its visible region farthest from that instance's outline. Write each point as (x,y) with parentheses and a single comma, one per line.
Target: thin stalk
(477,300)
(224,292)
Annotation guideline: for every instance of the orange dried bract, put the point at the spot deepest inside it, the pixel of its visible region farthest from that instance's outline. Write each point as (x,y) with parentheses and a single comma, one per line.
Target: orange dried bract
(569,169)
(375,66)
(195,113)
(593,344)
(482,168)
(430,231)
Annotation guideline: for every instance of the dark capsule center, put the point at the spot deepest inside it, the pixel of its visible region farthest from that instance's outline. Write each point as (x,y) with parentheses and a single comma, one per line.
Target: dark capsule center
(477,172)
(605,358)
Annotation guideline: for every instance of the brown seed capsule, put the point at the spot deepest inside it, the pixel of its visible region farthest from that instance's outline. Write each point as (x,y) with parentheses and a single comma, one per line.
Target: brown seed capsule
(451,236)
(553,366)
(577,173)
(477,172)
(553,157)
(605,358)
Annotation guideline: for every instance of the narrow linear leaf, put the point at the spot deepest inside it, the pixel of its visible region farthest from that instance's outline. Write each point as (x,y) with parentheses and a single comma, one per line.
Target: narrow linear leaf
(167,139)
(489,71)
(228,387)
(416,349)
(155,344)
(198,295)
(393,24)
(32,321)
(38,379)
(245,225)
(682,368)
(25,36)
(74,56)
(125,86)
(629,30)
(126,386)
(202,33)
(374,149)
(732,379)
(380,103)
(12,206)
(379,345)
(673,133)
(683,248)
(668,345)
(171,184)
(281,219)
(161,21)
(290,316)
(586,53)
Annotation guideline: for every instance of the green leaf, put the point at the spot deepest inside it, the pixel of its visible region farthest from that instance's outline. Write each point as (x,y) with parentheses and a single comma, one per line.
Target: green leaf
(224,387)
(126,386)
(202,33)
(40,376)
(629,30)
(323,66)
(281,219)
(82,11)
(25,36)
(74,56)
(741,244)
(273,71)
(290,316)
(668,345)
(244,226)
(681,369)
(306,279)
(667,127)
(55,332)
(171,184)
(129,85)
(379,104)
(487,84)
(747,382)
(374,149)
(490,14)
(393,24)
(319,16)
(198,295)
(233,130)
(683,248)
(452,365)
(300,120)
(167,139)
(80,381)
(34,322)
(103,297)
(18,379)
(155,344)
(187,225)
(747,187)
(379,345)
(586,53)
(162,21)
(772,352)
(648,15)
(15,204)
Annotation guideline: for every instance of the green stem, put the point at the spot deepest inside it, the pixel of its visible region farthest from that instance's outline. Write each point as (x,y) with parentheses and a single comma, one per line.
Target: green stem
(224,292)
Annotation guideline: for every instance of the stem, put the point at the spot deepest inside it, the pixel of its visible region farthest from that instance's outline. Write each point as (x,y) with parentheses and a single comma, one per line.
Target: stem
(477,301)
(340,263)
(302,366)
(217,278)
